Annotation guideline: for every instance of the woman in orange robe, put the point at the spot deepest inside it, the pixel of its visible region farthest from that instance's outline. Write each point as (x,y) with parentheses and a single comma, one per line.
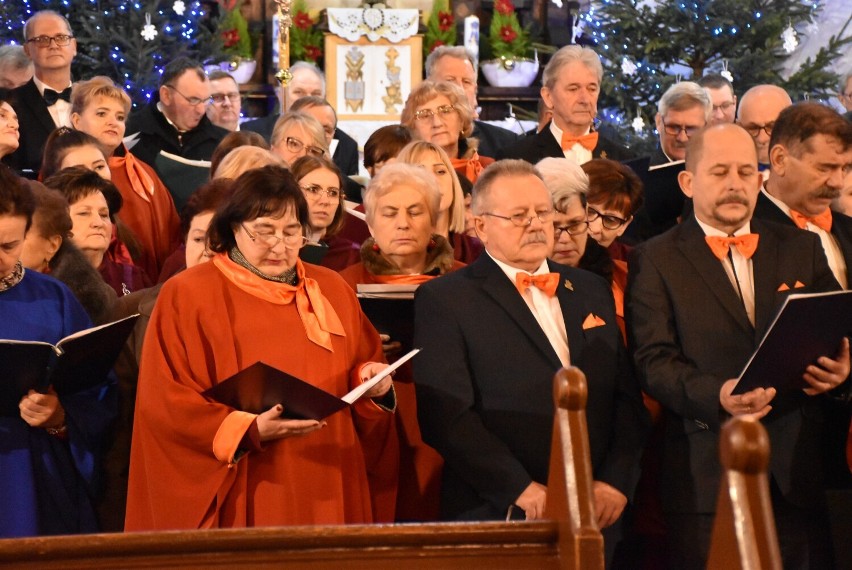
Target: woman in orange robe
(402,204)
(196,463)
(100,108)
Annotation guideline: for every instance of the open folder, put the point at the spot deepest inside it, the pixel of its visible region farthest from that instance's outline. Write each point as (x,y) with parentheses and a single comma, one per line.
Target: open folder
(76,362)
(390,308)
(806,327)
(260,387)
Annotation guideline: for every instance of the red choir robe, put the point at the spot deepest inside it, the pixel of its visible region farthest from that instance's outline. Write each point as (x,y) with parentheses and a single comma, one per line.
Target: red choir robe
(183,468)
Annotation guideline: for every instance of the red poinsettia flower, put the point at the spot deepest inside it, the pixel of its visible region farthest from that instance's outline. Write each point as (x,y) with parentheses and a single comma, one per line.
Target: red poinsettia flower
(230,38)
(302,21)
(508,34)
(313,53)
(504,6)
(436,45)
(445,21)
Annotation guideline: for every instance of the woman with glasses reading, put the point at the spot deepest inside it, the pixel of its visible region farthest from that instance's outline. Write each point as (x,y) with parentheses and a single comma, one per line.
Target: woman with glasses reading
(438,112)
(196,463)
(296,135)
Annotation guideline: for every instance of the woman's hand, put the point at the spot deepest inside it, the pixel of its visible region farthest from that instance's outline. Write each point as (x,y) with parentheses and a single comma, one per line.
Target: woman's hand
(368,371)
(42,410)
(270,425)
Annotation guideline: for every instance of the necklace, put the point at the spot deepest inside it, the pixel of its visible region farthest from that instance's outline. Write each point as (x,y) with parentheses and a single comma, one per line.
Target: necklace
(13,278)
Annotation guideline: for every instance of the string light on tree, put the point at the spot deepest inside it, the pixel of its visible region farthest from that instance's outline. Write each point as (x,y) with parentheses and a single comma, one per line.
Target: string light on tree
(179,7)
(627,66)
(791,41)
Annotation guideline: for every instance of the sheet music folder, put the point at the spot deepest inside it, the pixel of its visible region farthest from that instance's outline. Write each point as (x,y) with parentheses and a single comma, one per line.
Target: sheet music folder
(806,327)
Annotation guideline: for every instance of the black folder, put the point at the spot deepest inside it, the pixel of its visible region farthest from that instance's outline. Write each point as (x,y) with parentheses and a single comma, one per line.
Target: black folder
(77,362)
(390,309)
(313,253)
(806,327)
(664,199)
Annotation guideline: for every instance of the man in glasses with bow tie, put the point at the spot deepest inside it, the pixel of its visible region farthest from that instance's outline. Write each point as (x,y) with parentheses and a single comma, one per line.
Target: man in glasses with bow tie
(493,335)
(571,84)
(699,299)
(42,104)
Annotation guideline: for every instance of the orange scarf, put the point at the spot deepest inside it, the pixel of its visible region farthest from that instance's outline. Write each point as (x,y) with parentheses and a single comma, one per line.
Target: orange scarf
(140,181)
(470,167)
(402,279)
(317,314)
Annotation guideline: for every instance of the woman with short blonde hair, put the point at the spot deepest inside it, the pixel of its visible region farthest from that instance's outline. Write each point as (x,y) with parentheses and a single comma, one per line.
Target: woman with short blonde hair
(296,135)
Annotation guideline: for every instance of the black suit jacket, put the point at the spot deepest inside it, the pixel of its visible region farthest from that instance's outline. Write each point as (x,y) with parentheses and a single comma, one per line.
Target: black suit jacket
(34,125)
(689,333)
(485,380)
(543,145)
(492,139)
(345,155)
(841,227)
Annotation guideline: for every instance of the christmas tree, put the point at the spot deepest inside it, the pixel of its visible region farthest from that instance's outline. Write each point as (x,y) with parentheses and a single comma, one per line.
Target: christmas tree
(647,46)
(131,41)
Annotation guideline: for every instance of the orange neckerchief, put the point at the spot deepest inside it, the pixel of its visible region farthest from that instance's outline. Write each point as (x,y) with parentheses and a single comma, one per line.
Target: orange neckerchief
(317,314)
(472,166)
(140,181)
(403,279)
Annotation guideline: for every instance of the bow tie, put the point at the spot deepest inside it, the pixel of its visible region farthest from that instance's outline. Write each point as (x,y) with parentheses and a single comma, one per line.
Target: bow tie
(51,96)
(745,244)
(588,141)
(822,221)
(546,282)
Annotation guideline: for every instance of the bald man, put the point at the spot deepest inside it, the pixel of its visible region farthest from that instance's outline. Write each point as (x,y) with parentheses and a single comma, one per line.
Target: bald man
(759,107)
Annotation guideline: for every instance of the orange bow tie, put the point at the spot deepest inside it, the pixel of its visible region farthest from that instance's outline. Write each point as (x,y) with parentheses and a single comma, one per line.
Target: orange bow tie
(822,221)
(546,282)
(745,244)
(589,141)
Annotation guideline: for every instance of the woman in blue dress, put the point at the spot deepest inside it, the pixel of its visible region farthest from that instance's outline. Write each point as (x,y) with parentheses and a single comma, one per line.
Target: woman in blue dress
(49,449)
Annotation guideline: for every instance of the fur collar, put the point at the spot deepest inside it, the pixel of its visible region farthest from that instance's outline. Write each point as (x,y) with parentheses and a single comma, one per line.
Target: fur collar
(439,258)
(70,266)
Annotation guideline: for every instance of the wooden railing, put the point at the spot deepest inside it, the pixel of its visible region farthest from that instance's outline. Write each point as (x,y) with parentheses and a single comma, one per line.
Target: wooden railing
(568,539)
(744,536)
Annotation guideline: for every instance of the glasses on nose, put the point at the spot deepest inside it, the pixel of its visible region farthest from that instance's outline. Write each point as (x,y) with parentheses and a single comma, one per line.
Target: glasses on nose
(220,98)
(571,228)
(427,114)
(754,130)
(608,221)
(61,40)
(294,145)
(315,191)
(675,130)
(192,101)
(522,220)
(724,107)
(270,240)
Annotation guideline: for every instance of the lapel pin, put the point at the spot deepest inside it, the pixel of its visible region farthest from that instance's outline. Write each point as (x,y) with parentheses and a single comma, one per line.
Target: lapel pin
(603,154)
(568,285)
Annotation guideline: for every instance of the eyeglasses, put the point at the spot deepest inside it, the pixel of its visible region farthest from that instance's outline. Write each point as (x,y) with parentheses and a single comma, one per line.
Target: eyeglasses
(608,221)
(427,114)
(315,191)
(61,40)
(572,229)
(294,145)
(270,240)
(754,130)
(219,98)
(724,107)
(522,220)
(193,101)
(675,130)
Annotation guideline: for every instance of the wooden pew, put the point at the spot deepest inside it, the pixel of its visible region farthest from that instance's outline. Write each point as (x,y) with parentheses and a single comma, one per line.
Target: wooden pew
(744,534)
(569,539)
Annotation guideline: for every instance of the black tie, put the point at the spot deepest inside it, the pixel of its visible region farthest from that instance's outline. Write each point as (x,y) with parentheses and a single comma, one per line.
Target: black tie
(51,96)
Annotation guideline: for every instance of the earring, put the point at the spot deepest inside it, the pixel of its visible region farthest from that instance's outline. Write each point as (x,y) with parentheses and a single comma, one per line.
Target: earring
(376,247)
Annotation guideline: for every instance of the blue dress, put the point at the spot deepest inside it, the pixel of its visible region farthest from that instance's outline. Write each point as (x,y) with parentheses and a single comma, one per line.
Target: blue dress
(46,483)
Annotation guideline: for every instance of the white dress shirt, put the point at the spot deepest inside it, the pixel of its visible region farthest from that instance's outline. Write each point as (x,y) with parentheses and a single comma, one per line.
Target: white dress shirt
(60,111)
(741,273)
(546,310)
(578,153)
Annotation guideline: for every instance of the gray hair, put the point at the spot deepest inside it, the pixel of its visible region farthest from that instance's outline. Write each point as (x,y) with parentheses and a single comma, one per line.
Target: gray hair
(495,171)
(398,174)
(42,14)
(569,54)
(685,95)
(310,67)
(217,74)
(14,56)
(440,52)
(566,181)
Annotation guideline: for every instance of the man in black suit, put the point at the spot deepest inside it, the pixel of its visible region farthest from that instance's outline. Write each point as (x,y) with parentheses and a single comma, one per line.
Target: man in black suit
(42,104)
(456,65)
(309,81)
(810,154)
(346,150)
(491,345)
(572,83)
(698,303)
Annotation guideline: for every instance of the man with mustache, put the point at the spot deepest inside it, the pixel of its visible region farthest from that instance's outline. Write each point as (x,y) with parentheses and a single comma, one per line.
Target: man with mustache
(493,335)
(698,304)
(571,84)
(810,154)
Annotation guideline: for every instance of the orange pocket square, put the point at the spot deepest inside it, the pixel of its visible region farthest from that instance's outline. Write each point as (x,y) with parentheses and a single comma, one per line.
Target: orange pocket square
(798,285)
(783,287)
(593,321)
